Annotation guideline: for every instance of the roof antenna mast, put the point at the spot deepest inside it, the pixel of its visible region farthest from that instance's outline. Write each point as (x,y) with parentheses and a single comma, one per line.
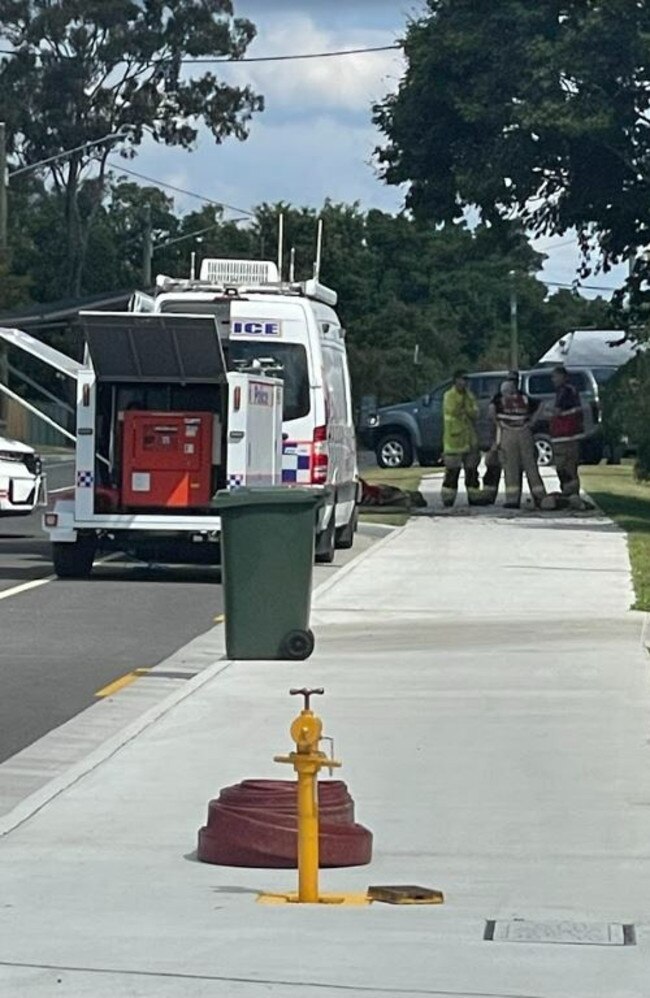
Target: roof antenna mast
(280,243)
(292,265)
(319,249)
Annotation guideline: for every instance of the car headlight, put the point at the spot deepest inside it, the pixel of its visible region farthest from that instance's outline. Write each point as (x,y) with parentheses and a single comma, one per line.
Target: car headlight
(11,455)
(373,420)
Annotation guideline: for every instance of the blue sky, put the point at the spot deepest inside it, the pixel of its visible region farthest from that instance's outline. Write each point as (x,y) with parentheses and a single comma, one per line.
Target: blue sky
(315,139)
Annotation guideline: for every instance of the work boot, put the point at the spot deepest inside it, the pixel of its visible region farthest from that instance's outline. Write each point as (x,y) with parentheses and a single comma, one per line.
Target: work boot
(511,505)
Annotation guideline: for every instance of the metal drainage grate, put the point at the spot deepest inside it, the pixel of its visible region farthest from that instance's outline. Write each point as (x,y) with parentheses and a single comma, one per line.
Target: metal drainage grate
(518,930)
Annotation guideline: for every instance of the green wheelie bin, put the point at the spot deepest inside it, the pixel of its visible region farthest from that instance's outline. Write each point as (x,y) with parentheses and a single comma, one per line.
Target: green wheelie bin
(267,558)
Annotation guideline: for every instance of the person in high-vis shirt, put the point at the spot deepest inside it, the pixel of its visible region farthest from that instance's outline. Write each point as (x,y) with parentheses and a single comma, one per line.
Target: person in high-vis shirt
(567,430)
(514,413)
(460,442)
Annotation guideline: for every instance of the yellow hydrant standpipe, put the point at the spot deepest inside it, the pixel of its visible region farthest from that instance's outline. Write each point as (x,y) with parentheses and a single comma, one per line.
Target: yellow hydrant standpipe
(307,761)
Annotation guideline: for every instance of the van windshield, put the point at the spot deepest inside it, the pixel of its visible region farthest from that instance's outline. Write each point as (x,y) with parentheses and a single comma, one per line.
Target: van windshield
(291,357)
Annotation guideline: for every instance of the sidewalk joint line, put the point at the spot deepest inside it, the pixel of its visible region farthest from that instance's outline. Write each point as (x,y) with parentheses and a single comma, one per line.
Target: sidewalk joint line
(272,982)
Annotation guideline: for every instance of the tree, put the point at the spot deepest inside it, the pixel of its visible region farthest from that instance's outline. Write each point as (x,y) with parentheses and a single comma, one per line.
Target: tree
(84,69)
(537,110)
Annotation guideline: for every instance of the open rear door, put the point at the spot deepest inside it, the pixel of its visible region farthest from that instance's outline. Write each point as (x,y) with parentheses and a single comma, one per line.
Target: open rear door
(128,347)
(13,340)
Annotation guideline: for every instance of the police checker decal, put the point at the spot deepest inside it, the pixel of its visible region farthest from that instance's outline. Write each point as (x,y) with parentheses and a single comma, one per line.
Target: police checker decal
(260,394)
(256,327)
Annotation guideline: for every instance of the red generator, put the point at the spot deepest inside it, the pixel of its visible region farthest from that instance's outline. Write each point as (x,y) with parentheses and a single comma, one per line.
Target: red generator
(167,459)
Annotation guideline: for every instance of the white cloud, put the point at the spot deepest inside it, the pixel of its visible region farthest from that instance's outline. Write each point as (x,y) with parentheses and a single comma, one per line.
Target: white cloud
(283,161)
(350,82)
(563,263)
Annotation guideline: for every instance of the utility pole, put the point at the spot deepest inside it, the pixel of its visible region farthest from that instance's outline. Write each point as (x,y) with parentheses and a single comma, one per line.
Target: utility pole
(147,248)
(514,326)
(3,189)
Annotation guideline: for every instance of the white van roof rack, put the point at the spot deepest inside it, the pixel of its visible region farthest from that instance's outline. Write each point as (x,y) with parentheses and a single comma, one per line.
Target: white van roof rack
(242,276)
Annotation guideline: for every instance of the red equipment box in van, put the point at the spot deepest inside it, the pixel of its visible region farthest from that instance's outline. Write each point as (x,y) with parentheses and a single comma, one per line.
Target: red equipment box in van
(167,459)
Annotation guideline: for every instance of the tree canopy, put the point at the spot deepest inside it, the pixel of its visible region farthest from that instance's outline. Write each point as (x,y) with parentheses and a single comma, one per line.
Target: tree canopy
(80,70)
(402,283)
(531,110)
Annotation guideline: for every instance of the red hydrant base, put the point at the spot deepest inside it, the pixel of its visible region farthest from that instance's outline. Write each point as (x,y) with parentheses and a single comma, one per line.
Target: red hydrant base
(254,824)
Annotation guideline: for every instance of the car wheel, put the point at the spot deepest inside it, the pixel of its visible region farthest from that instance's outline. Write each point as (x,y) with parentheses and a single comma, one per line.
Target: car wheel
(345,535)
(544,451)
(74,560)
(326,543)
(394,450)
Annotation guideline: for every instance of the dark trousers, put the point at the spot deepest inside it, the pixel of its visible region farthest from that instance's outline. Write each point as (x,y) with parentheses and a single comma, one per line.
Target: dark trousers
(469,461)
(567,458)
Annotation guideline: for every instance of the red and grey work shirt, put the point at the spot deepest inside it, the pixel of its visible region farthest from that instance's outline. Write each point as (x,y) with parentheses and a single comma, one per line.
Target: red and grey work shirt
(567,423)
(513,410)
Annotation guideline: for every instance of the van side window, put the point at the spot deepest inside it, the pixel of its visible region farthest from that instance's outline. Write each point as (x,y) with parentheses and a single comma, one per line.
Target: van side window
(487,386)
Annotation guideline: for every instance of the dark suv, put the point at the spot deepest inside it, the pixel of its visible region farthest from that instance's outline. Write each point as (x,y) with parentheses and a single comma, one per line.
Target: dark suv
(398,434)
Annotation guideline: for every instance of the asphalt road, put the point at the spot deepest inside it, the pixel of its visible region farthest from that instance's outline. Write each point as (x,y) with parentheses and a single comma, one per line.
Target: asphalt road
(63,641)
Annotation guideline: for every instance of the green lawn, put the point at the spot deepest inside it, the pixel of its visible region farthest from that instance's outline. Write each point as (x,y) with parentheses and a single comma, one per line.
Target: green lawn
(628,503)
(400,478)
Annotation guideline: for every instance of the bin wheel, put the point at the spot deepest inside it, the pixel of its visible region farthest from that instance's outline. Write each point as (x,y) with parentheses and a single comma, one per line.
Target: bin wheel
(298,645)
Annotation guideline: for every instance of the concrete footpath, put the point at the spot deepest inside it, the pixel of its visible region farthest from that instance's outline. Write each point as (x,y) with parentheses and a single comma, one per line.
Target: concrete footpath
(487,689)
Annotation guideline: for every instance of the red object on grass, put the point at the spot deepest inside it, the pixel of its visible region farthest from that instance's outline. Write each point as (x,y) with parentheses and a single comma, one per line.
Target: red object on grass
(254,824)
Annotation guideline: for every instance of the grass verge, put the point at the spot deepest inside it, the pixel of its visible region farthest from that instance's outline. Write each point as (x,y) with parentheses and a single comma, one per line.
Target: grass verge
(627,501)
(401,478)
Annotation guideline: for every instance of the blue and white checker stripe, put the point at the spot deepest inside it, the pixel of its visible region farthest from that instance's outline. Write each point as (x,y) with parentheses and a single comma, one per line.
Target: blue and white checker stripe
(296,464)
(235,481)
(85,479)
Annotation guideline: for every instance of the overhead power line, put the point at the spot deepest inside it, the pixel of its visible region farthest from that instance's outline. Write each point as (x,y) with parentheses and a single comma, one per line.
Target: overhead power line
(576,287)
(181,190)
(291,57)
(299,55)
(567,242)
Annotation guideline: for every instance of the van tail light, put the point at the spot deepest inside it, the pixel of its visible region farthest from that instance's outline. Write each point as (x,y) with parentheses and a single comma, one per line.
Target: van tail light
(319,456)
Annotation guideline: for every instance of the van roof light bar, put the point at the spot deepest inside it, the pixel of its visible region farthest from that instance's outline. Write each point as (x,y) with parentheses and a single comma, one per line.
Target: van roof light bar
(221,271)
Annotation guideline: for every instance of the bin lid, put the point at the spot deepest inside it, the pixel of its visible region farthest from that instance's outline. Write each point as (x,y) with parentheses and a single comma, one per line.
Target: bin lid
(127,346)
(274,495)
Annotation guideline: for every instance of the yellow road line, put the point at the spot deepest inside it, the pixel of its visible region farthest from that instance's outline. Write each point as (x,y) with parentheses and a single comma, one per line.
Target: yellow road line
(119,684)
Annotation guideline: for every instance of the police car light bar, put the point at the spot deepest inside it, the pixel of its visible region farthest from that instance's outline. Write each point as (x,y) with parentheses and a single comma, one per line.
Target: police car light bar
(238,272)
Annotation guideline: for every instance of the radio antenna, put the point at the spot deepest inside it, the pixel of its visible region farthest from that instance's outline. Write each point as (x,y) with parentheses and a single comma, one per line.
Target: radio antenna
(280,243)
(292,265)
(319,249)
(193,266)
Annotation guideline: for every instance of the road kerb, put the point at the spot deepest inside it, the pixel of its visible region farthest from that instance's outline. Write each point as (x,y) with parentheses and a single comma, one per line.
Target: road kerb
(32,804)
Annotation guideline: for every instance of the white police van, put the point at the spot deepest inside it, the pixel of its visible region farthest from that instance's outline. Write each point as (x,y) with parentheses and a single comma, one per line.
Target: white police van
(294,326)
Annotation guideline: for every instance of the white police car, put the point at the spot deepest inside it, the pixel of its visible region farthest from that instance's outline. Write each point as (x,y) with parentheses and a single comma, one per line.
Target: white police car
(21,478)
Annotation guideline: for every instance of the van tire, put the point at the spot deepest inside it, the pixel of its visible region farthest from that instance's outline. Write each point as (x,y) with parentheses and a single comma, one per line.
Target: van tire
(74,560)
(345,535)
(394,450)
(326,542)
